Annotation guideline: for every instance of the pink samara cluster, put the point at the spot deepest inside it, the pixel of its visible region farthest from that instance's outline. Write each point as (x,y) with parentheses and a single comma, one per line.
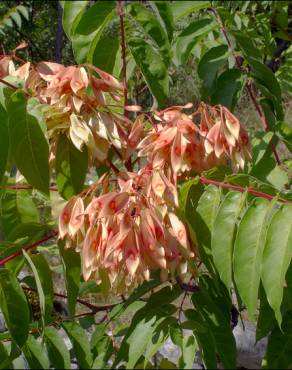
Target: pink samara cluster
(126,224)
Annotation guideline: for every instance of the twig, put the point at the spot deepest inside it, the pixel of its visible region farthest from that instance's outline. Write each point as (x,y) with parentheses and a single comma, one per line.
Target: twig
(8,84)
(94,309)
(187,287)
(28,247)
(240,188)
(121,15)
(23,187)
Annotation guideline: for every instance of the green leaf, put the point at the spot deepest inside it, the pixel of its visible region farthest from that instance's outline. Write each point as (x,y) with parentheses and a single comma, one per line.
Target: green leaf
(5,361)
(224,232)
(278,354)
(150,24)
(246,45)
(248,251)
(87,33)
(80,343)
(228,89)
(104,349)
(266,77)
(17,208)
(4,140)
(94,17)
(71,167)
(72,12)
(35,354)
(105,53)
(28,145)
(57,350)
(164,14)
(152,68)
(219,327)
(203,221)
(72,269)
(188,352)
(14,307)
(204,338)
(277,257)
(209,65)
(189,37)
(45,278)
(182,8)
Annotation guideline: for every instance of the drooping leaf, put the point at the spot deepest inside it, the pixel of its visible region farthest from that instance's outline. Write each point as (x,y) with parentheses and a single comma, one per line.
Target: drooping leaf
(188,352)
(209,65)
(224,233)
(45,278)
(14,307)
(246,45)
(266,77)
(80,343)
(278,354)
(71,167)
(28,145)
(182,8)
(105,53)
(189,36)
(94,17)
(72,269)
(228,89)
(248,251)
(72,12)
(89,29)
(35,354)
(163,10)
(152,68)
(203,337)
(57,350)
(277,257)
(219,326)
(150,24)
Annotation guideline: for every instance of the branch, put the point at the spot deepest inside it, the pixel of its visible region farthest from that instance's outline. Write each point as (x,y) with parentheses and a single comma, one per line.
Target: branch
(121,15)
(94,309)
(187,287)
(240,188)
(23,187)
(28,247)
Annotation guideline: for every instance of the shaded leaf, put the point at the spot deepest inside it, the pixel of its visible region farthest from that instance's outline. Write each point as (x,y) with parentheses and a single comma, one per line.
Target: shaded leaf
(80,343)
(71,167)
(28,144)
(209,65)
(57,350)
(14,307)
(72,269)
(152,68)
(35,354)
(182,8)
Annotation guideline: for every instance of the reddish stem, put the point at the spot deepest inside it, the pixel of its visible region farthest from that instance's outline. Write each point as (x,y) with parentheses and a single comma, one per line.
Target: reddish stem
(24,187)
(30,246)
(240,188)
(121,15)
(8,84)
